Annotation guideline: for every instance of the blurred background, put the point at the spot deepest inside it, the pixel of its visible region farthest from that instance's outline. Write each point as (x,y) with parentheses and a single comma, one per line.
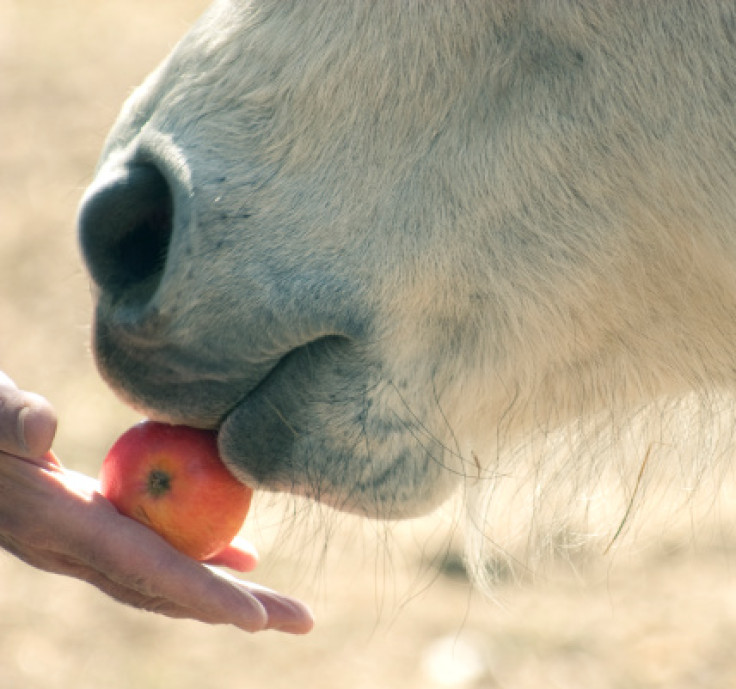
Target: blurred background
(393,605)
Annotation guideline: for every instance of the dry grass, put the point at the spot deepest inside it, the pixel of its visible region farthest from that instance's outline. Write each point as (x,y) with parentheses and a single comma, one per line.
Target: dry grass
(664,617)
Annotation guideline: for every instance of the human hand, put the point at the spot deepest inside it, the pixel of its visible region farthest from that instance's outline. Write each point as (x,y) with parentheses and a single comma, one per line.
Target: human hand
(56,520)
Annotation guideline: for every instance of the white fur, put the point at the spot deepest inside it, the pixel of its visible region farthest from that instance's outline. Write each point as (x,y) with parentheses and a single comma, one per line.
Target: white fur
(508,229)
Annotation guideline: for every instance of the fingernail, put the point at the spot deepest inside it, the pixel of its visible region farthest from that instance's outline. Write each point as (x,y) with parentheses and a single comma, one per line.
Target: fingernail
(21,429)
(35,429)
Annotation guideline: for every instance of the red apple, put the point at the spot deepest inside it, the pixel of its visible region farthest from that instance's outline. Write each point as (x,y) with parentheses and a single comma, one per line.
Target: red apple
(172,479)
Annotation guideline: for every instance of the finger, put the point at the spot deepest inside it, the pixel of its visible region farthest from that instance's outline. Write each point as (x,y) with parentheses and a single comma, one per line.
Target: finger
(252,618)
(76,531)
(182,587)
(284,614)
(51,458)
(220,604)
(83,485)
(36,425)
(242,604)
(132,556)
(239,555)
(27,423)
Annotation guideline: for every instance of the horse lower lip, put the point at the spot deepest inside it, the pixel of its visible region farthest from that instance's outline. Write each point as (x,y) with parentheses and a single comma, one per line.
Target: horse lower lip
(256,435)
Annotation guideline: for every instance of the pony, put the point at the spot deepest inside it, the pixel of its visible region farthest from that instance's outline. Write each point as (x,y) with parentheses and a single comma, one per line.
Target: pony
(399,251)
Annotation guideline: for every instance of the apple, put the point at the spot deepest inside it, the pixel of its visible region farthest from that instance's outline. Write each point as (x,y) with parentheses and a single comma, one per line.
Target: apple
(171,479)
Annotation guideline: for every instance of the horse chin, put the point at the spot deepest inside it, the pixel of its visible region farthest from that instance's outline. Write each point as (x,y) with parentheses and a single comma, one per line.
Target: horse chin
(326,425)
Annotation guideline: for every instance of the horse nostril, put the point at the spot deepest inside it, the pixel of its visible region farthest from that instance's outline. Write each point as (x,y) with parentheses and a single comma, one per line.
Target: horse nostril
(125,227)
